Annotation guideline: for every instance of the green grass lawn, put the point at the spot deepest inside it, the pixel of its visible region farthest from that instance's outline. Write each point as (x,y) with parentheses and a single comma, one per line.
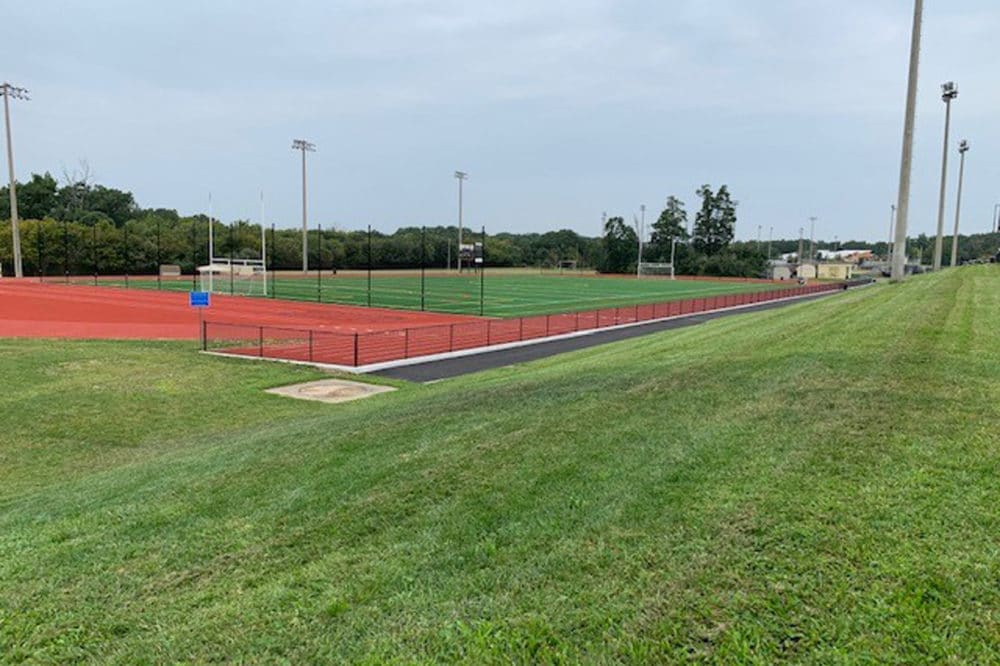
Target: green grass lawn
(504,293)
(771,487)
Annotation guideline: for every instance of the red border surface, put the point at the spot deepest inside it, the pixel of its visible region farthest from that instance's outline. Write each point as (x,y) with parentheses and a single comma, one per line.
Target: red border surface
(42,310)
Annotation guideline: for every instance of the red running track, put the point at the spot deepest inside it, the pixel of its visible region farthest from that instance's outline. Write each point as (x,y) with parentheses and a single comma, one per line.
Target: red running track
(31,309)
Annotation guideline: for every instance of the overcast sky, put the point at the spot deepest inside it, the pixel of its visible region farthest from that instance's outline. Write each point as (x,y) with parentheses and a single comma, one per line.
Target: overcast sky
(558,109)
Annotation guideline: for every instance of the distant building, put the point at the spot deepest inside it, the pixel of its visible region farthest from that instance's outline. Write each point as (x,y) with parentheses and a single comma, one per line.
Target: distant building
(780,270)
(835,271)
(806,271)
(854,256)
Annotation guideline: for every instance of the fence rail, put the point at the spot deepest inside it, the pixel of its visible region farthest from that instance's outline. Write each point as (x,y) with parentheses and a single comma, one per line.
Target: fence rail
(365,348)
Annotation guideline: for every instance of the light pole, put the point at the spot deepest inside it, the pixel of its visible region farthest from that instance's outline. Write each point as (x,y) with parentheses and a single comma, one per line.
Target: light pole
(892,223)
(906,162)
(949,91)
(461,176)
(641,230)
(996,218)
(9,91)
(770,238)
(963,148)
(673,251)
(305,147)
(812,239)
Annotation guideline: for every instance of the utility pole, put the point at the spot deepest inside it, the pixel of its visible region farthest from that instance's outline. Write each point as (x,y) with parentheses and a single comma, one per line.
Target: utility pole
(963,148)
(906,162)
(461,176)
(642,231)
(812,239)
(892,224)
(949,91)
(305,147)
(8,91)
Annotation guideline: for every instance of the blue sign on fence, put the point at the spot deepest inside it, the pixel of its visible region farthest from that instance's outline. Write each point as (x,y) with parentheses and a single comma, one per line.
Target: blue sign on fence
(198,299)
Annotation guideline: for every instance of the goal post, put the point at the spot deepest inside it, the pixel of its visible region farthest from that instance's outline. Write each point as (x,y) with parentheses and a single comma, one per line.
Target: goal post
(656,269)
(241,277)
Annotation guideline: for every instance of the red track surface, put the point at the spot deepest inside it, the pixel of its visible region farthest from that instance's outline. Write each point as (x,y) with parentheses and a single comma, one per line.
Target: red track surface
(30,309)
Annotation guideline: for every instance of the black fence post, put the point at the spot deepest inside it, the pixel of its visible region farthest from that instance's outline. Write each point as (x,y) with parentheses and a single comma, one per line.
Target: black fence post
(423,262)
(260,342)
(355,349)
(369,265)
(451,337)
(310,345)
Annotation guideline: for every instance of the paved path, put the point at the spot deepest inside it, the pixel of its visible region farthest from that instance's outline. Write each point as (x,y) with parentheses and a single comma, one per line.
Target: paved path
(453,367)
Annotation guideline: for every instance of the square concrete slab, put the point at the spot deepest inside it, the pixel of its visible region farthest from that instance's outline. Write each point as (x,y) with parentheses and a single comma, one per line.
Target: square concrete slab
(330,390)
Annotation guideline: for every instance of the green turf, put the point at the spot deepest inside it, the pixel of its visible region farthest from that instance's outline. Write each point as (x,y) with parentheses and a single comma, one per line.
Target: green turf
(504,294)
(815,484)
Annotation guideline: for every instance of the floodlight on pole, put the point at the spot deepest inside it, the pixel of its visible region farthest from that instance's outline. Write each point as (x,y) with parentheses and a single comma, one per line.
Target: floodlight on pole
(460,176)
(8,91)
(906,162)
(963,148)
(949,91)
(305,147)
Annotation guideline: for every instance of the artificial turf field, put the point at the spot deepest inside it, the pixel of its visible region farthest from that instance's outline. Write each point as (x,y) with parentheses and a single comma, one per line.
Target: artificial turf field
(813,484)
(505,293)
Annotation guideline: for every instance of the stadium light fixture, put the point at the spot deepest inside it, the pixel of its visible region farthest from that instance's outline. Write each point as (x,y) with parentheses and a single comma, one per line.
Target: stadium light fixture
(963,148)
(949,92)
(305,147)
(8,91)
(906,162)
(460,176)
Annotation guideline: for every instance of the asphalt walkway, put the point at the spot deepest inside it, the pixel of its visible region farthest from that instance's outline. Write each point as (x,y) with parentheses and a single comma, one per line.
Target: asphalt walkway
(453,367)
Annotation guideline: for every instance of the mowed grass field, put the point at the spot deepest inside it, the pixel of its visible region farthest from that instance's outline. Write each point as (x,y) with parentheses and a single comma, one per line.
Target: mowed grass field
(504,293)
(818,484)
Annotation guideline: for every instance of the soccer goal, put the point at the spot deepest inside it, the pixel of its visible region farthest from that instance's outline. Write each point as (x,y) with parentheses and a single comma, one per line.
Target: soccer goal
(650,269)
(241,277)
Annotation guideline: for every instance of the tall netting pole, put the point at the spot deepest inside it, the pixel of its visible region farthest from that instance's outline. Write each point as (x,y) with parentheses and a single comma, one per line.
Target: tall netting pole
(482,275)
(159,284)
(423,263)
(194,255)
(93,249)
(369,265)
(232,245)
(38,248)
(125,251)
(66,251)
(274,282)
(319,263)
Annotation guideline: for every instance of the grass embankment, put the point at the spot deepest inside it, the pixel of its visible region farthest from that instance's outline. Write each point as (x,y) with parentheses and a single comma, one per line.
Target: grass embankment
(504,294)
(816,483)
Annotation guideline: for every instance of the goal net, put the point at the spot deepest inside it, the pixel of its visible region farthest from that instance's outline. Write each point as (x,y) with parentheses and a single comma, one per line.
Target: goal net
(239,277)
(656,269)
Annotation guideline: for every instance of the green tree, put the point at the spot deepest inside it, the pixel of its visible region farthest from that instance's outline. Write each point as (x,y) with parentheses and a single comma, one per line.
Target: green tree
(715,222)
(671,224)
(620,244)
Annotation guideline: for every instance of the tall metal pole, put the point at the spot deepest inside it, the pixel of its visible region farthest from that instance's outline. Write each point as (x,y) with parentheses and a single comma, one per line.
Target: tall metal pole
(963,147)
(812,239)
(305,147)
(892,224)
(906,161)
(641,230)
(9,91)
(770,239)
(948,92)
(263,242)
(461,176)
(211,246)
